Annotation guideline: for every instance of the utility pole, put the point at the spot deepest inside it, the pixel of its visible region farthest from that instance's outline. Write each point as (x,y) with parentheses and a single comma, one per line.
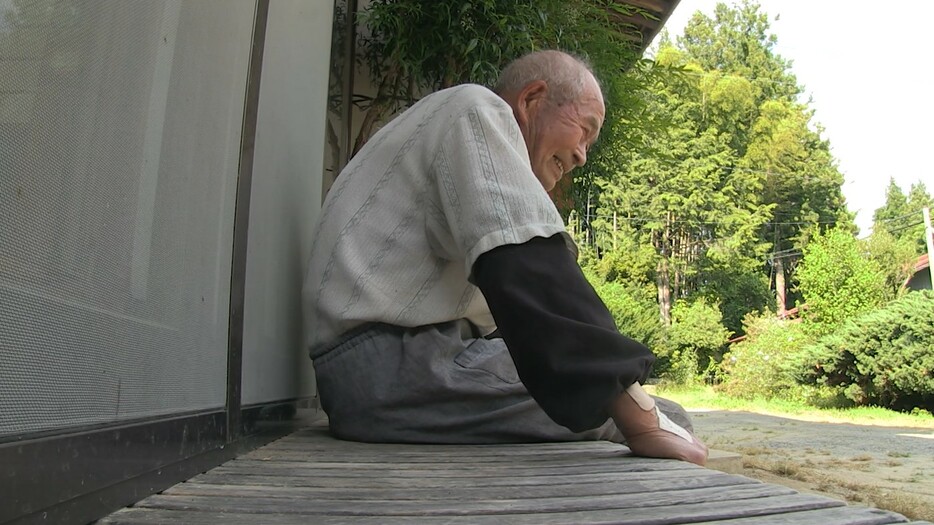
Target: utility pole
(929,240)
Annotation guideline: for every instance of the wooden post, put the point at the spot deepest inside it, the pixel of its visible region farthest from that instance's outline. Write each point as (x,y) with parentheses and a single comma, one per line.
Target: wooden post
(929,241)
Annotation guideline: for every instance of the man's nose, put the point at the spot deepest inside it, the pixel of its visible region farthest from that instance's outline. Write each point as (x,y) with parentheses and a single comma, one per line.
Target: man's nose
(580,155)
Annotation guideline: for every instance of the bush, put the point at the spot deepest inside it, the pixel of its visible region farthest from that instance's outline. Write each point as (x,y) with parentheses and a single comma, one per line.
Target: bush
(739,293)
(760,366)
(838,281)
(695,340)
(885,357)
(634,310)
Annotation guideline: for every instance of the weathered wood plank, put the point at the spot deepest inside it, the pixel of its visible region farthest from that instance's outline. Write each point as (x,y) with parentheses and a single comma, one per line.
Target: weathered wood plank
(668,515)
(455,506)
(829,516)
(308,479)
(345,447)
(307,437)
(441,471)
(298,453)
(583,458)
(379,490)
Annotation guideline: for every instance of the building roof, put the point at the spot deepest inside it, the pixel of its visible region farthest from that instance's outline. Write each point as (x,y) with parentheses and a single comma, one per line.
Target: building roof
(641,20)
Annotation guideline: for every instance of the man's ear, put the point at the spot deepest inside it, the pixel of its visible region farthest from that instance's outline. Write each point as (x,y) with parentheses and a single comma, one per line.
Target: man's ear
(529,100)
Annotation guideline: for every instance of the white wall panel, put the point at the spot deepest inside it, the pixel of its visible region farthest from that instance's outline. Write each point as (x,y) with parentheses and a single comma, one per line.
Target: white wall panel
(286,197)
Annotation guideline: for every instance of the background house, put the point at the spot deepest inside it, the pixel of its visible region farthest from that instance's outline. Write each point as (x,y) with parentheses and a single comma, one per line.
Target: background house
(920,278)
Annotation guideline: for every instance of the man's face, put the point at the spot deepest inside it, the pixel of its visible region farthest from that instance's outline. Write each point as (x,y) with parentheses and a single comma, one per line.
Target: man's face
(558,136)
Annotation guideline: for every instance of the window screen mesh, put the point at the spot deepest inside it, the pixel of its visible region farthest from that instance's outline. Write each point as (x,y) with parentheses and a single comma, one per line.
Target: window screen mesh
(119,145)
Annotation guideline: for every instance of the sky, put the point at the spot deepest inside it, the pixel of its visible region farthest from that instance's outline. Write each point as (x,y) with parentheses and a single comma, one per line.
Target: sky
(867,68)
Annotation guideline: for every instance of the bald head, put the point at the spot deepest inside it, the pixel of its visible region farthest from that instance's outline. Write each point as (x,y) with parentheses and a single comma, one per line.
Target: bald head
(567,76)
(559,108)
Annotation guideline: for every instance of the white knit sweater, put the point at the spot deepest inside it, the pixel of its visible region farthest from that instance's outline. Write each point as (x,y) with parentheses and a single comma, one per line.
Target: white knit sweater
(444,182)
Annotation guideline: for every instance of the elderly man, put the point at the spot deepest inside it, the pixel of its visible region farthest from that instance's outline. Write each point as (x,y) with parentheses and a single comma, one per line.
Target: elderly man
(443,300)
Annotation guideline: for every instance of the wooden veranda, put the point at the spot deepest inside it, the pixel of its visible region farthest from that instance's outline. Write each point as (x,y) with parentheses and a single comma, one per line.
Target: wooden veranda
(309,477)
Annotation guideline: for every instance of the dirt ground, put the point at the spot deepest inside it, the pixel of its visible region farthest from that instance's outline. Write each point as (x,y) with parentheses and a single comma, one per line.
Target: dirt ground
(885,467)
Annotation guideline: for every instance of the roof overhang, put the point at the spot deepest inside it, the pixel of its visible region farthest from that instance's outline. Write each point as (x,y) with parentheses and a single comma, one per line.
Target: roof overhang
(641,20)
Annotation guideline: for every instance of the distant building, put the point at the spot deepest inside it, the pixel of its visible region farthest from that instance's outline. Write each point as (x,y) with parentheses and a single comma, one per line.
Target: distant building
(920,278)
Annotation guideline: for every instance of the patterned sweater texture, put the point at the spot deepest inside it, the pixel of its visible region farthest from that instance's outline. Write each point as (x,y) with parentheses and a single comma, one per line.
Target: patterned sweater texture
(398,234)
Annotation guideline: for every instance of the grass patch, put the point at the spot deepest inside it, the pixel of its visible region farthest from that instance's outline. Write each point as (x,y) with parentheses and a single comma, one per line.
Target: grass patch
(910,505)
(705,398)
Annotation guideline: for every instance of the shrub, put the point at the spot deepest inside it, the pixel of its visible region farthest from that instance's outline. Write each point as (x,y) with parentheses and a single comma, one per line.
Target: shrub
(633,309)
(695,340)
(759,366)
(739,293)
(885,357)
(838,281)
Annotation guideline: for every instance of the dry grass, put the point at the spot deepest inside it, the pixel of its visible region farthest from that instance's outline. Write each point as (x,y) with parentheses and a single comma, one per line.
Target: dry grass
(912,507)
(819,480)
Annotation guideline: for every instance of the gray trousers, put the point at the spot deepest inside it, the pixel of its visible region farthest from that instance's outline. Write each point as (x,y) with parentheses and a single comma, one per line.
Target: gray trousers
(437,384)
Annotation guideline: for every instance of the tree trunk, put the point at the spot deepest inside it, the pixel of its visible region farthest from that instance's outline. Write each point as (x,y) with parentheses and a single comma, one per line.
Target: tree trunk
(663,277)
(780,286)
(662,280)
(779,266)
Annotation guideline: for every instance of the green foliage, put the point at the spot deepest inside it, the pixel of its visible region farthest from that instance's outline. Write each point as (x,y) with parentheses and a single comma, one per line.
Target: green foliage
(737,40)
(740,293)
(732,168)
(634,310)
(884,358)
(623,259)
(752,97)
(901,215)
(760,366)
(707,397)
(895,258)
(680,199)
(838,281)
(695,340)
(412,46)
(427,45)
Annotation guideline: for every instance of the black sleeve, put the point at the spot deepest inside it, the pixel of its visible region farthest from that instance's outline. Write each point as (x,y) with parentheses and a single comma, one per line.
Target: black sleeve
(565,344)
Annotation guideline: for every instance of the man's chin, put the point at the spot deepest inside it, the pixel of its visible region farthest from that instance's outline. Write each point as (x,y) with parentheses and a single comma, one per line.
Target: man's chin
(549,181)
(553,186)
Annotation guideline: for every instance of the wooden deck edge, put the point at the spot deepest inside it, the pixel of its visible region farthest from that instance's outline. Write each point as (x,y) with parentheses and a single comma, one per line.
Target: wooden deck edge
(724,461)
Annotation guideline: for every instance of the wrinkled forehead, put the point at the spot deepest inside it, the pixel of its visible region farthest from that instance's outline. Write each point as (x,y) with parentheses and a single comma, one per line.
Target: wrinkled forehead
(592,106)
(592,92)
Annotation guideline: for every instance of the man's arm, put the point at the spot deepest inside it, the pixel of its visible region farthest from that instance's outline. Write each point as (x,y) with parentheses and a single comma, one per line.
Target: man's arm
(566,347)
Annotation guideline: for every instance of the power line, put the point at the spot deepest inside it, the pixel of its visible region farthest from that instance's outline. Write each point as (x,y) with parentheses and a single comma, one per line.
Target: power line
(902,217)
(905,227)
(591,216)
(676,162)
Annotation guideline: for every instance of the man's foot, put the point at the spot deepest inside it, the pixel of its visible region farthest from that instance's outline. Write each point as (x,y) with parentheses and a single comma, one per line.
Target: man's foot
(650,433)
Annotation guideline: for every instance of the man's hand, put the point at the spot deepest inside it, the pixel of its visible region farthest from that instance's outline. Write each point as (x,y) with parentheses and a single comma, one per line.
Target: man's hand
(650,433)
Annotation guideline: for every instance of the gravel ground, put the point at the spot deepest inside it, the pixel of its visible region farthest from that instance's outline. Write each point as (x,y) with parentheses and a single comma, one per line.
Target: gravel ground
(886,467)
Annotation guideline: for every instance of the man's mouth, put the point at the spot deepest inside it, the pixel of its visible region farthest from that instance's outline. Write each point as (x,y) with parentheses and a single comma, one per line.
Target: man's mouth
(560,165)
